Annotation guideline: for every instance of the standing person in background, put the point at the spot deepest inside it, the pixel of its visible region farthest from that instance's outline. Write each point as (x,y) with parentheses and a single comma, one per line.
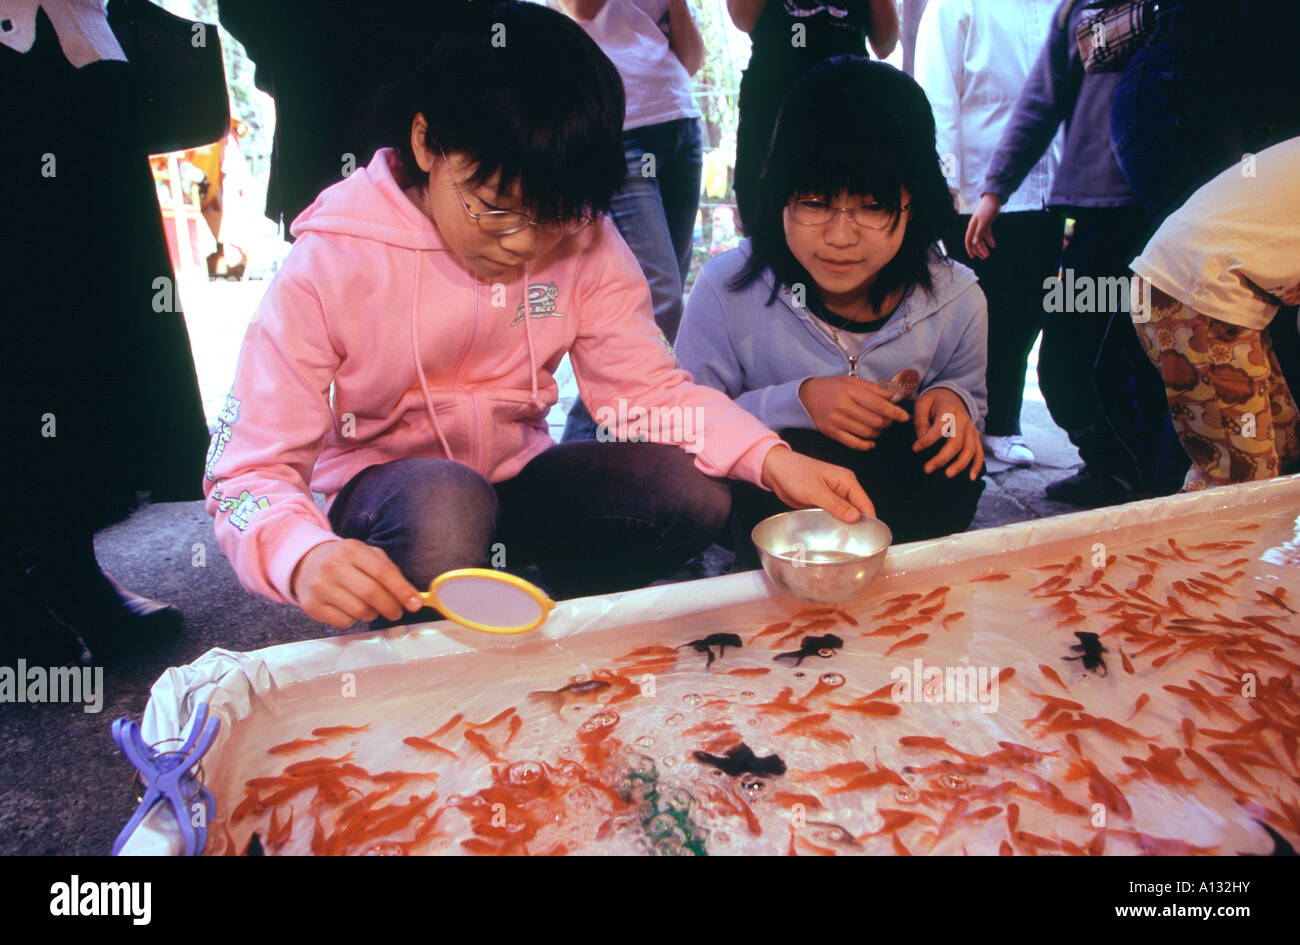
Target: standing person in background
(656,47)
(324,64)
(96,376)
(1097,382)
(1176,122)
(789,38)
(972,59)
(1220,268)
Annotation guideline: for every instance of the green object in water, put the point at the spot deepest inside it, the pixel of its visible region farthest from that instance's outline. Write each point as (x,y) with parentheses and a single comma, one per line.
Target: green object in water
(665,812)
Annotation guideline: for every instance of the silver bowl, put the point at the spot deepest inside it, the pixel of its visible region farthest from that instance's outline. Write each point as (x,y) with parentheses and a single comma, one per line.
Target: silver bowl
(812,555)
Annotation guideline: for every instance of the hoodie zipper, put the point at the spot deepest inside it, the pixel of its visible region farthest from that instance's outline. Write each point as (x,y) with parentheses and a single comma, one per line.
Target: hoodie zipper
(834,335)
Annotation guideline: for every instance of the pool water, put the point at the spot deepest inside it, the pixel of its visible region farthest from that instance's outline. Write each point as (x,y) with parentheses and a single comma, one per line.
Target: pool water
(963,710)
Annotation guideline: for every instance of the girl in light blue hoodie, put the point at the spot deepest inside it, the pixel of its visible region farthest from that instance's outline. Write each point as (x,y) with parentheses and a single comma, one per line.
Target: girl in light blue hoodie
(839,323)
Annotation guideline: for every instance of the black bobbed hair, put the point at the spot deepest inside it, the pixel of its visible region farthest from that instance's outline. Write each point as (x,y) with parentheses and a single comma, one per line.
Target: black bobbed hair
(524,91)
(851,124)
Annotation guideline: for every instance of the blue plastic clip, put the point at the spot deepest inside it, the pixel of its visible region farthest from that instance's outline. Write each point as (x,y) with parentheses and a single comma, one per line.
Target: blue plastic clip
(169,775)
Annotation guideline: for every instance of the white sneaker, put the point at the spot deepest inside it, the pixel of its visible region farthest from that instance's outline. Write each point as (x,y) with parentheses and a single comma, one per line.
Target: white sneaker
(1009,449)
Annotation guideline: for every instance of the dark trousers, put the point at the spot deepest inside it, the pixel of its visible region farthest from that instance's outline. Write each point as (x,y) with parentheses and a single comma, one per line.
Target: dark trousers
(594,517)
(915,505)
(1098,383)
(1177,119)
(1028,251)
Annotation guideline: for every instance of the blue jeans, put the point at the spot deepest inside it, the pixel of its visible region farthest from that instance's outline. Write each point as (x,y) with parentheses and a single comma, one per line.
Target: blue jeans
(595,518)
(1174,122)
(656,217)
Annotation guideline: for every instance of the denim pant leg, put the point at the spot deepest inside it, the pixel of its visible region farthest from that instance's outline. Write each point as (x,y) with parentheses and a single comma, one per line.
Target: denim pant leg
(428,515)
(1172,128)
(604,517)
(640,211)
(679,188)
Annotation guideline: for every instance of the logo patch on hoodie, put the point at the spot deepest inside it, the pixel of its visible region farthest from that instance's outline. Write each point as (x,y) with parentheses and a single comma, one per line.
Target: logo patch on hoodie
(540,302)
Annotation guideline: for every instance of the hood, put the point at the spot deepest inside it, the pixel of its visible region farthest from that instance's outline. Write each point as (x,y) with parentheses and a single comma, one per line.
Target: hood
(948,279)
(370,204)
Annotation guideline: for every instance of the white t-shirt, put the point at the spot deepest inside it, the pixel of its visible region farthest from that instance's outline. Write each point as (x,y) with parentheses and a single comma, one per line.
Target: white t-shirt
(657,85)
(1232,252)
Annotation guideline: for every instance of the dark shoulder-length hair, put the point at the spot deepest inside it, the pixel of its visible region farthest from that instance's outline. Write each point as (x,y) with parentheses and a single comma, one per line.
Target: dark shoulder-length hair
(522,90)
(851,124)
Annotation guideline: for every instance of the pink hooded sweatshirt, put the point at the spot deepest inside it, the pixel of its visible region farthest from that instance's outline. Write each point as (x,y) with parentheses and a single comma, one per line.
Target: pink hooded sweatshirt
(374,342)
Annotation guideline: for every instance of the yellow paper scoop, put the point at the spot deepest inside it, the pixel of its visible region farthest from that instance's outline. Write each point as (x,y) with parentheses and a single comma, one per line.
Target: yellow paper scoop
(490,601)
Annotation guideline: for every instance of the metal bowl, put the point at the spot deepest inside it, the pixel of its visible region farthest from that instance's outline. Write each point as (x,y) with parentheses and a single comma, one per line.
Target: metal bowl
(812,555)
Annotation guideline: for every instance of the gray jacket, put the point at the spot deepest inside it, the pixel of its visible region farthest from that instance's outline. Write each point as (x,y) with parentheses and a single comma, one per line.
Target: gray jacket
(1058,90)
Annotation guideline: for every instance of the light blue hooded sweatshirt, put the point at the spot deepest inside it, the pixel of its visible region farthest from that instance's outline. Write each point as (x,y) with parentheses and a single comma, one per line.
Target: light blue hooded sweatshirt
(759,354)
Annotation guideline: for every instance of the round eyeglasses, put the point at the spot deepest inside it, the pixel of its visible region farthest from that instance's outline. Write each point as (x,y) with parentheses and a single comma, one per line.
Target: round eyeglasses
(505,222)
(813,212)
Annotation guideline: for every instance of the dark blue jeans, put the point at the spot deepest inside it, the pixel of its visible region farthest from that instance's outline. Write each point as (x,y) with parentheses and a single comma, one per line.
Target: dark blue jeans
(593,517)
(656,216)
(1176,118)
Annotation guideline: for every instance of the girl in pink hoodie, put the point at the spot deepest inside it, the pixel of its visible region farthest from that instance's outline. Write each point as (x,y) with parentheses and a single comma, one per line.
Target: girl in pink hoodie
(402,361)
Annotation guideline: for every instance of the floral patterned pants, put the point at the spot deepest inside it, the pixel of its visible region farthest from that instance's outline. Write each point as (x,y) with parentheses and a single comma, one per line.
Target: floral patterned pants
(1229,403)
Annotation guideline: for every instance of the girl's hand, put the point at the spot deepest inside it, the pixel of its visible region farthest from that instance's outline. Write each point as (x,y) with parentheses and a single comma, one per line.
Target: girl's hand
(849,410)
(338,582)
(979,232)
(940,412)
(802,482)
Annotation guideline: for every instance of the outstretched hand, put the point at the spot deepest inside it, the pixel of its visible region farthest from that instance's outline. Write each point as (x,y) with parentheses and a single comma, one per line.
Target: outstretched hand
(339,582)
(802,482)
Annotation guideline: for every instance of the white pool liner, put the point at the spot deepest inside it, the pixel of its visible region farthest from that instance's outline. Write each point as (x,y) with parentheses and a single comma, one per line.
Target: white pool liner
(237,686)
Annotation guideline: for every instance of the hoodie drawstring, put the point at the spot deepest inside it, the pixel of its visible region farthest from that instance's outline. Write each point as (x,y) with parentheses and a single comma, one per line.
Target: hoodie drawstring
(528,333)
(419,368)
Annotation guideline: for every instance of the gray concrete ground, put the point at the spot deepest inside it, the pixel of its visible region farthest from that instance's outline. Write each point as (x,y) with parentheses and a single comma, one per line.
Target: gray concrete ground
(64,787)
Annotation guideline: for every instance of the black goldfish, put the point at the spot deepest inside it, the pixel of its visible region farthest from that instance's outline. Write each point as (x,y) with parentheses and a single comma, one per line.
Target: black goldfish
(811,646)
(1090,649)
(720,640)
(742,760)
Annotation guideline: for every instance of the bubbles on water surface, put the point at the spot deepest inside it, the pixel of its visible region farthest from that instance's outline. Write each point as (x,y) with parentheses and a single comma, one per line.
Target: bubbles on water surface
(384,848)
(800,675)
(832,833)
(825,652)
(645,741)
(753,787)
(525,772)
(749,695)
(668,761)
(833,679)
(906,795)
(954,782)
(692,699)
(606,718)
(675,719)
(677,801)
